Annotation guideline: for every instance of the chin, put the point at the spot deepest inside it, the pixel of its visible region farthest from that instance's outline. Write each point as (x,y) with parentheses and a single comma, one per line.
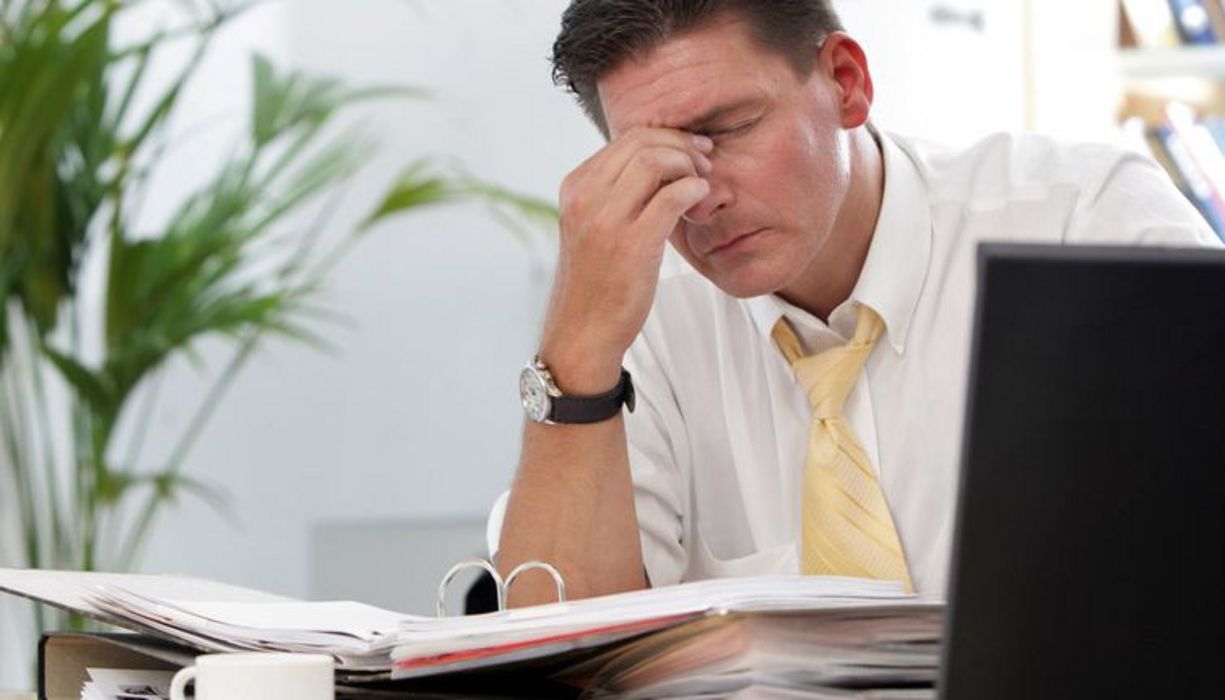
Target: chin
(749,280)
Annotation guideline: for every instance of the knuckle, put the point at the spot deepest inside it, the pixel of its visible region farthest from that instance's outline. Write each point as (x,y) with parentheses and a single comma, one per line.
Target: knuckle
(661,159)
(638,134)
(572,198)
(565,203)
(648,158)
(569,184)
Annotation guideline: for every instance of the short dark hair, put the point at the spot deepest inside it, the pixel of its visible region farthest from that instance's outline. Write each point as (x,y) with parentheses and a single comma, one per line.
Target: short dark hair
(597,35)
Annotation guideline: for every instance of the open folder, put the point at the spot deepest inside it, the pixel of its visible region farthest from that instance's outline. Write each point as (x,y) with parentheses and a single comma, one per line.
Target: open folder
(793,630)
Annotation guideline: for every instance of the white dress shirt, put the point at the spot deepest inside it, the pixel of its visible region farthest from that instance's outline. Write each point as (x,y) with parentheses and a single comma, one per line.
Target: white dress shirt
(717,443)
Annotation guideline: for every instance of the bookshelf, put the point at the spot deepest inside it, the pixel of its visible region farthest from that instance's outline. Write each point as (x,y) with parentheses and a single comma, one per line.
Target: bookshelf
(1172,62)
(1158,61)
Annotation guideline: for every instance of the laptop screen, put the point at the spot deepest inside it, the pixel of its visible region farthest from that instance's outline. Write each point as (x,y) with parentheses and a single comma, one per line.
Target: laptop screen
(1090,540)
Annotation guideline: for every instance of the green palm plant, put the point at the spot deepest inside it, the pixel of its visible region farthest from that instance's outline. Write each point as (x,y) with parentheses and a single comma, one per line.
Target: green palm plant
(76,157)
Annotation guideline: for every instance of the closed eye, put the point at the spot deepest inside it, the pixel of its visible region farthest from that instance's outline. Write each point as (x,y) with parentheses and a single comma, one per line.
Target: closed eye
(731,130)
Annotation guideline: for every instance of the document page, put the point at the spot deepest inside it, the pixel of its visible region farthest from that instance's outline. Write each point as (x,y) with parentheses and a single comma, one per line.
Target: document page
(124,684)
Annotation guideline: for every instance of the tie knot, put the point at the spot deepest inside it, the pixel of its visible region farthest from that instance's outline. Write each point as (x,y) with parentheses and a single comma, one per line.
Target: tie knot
(828,377)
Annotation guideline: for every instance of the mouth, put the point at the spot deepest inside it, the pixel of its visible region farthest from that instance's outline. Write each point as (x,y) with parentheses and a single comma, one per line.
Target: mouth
(733,242)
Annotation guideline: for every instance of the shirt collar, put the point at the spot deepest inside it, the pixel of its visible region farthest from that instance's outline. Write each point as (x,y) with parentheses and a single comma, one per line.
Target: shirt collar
(897,262)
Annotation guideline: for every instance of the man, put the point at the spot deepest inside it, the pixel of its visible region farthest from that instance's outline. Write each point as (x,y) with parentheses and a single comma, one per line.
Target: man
(816,246)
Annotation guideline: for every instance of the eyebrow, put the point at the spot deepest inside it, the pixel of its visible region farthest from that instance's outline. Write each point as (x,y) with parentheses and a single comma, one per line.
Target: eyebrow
(715,113)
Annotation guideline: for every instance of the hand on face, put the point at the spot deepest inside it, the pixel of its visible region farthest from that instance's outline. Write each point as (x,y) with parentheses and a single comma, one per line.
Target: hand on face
(617,211)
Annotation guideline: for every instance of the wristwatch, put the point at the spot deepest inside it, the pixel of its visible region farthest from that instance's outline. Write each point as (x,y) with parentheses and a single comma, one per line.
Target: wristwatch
(544,403)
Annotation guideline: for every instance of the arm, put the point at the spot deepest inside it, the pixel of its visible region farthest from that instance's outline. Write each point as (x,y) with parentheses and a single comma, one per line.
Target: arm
(572,501)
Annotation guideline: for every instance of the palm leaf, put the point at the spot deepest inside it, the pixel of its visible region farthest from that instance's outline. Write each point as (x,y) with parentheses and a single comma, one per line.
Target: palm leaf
(93,387)
(535,209)
(165,485)
(283,102)
(332,164)
(45,76)
(416,187)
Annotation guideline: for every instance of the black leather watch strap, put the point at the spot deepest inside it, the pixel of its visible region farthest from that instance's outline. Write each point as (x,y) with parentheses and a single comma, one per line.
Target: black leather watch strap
(594,409)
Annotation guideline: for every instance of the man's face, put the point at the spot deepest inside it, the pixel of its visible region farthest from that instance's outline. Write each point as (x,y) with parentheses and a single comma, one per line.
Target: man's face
(781,157)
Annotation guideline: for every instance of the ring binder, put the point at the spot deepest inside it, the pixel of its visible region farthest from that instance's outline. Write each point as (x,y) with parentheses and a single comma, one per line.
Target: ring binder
(445,584)
(502,585)
(536,564)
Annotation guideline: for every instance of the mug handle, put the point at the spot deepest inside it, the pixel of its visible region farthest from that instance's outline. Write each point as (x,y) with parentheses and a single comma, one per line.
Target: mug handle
(180,681)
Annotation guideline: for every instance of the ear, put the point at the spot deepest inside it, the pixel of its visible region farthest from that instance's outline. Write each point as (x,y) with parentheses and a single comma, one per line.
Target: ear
(843,60)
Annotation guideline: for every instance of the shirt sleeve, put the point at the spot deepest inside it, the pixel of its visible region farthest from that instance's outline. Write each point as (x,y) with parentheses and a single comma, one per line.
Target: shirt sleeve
(493,525)
(655,433)
(1136,203)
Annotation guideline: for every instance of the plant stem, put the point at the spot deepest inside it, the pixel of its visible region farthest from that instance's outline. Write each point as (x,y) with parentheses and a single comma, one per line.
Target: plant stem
(16,435)
(140,430)
(135,448)
(80,428)
(20,470)
(140,530)
(13,431)
(100,433)
(50,463)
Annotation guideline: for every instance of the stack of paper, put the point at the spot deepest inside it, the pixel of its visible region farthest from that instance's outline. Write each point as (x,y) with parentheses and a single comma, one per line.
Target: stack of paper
(788,634)
(359,636)
(218,617)
(123,684)
(800,634)
(822,653)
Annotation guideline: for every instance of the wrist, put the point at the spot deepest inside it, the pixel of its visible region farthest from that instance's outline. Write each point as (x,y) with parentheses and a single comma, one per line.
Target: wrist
(579,372)
(583,378)
(545,402)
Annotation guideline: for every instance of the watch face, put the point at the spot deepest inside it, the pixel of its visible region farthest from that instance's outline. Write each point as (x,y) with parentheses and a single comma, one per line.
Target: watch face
(534,394)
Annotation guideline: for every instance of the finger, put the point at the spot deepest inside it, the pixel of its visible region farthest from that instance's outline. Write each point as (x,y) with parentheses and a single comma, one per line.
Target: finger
(647,171)
(590,188)
(612,160)
(665,209)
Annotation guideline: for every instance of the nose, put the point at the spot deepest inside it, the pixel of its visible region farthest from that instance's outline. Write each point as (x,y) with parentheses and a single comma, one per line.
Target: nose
(703,213)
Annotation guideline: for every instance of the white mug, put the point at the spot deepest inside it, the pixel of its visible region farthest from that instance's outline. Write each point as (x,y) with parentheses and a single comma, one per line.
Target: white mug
(257,676)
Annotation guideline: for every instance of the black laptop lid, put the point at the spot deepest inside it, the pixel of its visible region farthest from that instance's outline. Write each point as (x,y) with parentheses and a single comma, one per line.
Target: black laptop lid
(1090,537)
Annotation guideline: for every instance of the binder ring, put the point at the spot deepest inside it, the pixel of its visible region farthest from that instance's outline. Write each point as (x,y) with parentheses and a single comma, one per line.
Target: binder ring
(445,584)
(529,565)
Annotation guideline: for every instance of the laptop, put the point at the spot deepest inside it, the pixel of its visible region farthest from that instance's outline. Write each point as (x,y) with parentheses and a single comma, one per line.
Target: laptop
(1089,556)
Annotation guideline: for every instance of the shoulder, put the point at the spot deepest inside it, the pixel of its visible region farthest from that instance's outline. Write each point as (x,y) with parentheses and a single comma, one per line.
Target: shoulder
(1092,192)
(1012,165)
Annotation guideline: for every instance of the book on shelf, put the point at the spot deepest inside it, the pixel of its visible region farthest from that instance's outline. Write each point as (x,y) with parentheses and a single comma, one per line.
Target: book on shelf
(1216,127)
(1201,149)
(1154,145)
(1191,154)
(1216,17)
(1160,24)
(1151,23)
(1194,25)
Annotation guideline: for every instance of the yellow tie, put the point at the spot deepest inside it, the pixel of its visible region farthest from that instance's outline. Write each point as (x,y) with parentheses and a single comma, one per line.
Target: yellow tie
(847,529)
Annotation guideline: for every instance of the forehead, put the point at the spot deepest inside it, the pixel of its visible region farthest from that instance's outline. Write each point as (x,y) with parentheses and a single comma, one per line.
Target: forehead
(689,75)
